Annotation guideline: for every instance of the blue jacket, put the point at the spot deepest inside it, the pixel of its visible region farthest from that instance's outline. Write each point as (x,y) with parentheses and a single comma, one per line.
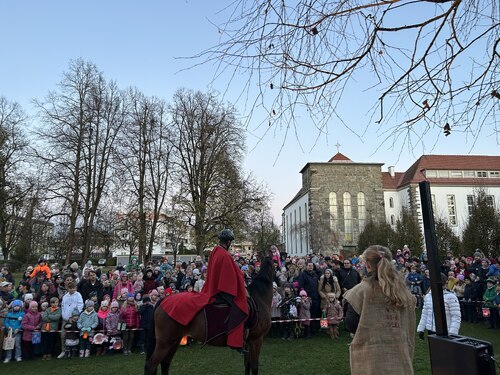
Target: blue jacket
(13,320)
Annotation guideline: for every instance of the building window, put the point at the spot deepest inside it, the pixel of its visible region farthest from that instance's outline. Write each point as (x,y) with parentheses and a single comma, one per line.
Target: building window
(333,211)
(456,174)
(469,174)
(452,211)
(495,174)
(470,204)
(393,220)
(391,202)
(443,174)
(490,202)
(347,217)
(361,211)
(431,173)
(481,174)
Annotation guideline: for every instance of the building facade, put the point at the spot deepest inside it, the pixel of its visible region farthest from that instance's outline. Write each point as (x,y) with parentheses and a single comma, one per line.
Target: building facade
(339,197)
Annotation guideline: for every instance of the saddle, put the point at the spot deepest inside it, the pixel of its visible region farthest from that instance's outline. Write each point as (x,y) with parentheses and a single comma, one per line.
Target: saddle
(217,317)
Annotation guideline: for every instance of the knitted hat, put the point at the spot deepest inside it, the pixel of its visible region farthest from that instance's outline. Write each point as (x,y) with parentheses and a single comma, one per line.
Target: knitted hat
(28,296)
(105,303)
(33,304)
(130,295)
(460,277)
(303,293)
(114,304)
(17,302)
(89,302)
(73,266)
(155,292)
(124,290)
(275,286)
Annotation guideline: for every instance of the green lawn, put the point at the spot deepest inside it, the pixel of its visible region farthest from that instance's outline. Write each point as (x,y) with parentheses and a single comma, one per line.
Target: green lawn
(319,355)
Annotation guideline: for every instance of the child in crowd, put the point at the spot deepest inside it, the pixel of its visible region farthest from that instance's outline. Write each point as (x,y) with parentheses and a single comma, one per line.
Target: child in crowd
(102,314)
(71,300)
(275,310)
(305,314)
(122,298)
(130,316)
(87,322)
(71,339)
(334,313)
(139,284)
(28,297)
(50,324)
(288,311)
(146,312)
(13,321)
(111,324)
(32,321)
(138,299)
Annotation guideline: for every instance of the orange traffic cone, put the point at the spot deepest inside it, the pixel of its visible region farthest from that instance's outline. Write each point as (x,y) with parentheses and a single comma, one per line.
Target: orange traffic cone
(184,340)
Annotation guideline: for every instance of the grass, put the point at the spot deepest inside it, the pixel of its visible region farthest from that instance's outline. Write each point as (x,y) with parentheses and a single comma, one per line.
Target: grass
(319,355)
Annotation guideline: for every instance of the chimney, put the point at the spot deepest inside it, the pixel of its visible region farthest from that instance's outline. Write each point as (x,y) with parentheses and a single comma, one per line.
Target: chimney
(391,171)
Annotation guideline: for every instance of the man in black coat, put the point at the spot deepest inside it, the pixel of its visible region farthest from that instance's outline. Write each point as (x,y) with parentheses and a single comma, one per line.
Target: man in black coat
(92,285)
(349,277)
(308,280)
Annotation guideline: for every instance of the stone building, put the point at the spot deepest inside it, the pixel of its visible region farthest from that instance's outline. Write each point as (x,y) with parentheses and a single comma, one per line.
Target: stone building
(336,200)
(339,197)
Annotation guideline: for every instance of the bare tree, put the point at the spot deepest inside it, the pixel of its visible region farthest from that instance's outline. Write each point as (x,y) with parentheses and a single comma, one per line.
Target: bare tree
(144,157)
(13,192)
(432,63)
(80,125)
(208,149)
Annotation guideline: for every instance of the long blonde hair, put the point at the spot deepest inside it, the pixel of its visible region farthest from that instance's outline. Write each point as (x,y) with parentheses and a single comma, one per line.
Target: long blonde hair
(390,280)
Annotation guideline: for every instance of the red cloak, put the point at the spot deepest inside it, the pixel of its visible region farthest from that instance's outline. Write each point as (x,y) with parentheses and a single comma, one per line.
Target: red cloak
(223,275)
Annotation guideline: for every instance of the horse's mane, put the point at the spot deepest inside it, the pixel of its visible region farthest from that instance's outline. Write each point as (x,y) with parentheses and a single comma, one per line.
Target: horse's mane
(262,283)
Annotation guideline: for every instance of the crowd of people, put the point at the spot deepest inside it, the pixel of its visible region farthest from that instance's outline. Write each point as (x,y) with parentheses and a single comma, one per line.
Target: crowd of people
(92,310)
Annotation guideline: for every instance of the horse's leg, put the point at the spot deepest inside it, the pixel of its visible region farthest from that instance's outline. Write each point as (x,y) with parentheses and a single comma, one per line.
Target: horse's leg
(161,351)
(252,357)
(167,360)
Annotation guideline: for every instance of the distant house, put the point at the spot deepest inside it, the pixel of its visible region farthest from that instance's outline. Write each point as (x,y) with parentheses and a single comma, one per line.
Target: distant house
(339,197)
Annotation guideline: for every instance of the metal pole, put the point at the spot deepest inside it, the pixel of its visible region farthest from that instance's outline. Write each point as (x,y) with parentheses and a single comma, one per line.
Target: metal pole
(432,255)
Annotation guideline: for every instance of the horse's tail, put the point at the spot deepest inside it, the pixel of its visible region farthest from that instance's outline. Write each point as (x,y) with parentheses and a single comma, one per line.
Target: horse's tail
(151,344)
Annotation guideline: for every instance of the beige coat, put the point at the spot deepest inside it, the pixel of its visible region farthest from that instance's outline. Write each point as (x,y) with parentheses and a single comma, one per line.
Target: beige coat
(384,342)
(328,288)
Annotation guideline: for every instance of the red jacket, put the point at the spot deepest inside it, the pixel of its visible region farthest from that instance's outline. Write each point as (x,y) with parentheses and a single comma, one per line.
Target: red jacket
(223,275)
(130,315)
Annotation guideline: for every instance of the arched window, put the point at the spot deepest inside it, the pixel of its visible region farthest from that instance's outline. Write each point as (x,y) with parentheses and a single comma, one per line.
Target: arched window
(361,211)
(393,220)
(347,217)
(391,202)
(333,211)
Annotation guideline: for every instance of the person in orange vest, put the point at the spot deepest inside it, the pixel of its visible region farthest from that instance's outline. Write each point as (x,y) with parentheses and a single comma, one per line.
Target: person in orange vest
(41,267)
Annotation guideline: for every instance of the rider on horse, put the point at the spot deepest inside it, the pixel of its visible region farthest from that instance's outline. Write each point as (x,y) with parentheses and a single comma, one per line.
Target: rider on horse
(224,284)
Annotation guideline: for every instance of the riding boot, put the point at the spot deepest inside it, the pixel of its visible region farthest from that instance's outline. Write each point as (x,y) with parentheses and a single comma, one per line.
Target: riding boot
(82,353)
(87,353)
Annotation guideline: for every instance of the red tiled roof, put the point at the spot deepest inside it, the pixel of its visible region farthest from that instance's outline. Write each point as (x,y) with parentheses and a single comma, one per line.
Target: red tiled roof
(414,174)
(389,182)
(338,157)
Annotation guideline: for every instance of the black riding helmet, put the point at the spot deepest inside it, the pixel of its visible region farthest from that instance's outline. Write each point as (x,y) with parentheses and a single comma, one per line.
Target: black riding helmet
(226,235)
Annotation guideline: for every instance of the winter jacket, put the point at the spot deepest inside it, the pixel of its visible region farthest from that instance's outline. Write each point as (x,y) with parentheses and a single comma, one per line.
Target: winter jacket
(87,322)
(275,311)
(452,309)
(305,310)
(333,312)
(112,323)
(88,287)
(119,286)
(146,313)
(130,315)
(489,296)
(68,304)
(50,319)
(13,320)
(309,282)
(325,288)
(31,322)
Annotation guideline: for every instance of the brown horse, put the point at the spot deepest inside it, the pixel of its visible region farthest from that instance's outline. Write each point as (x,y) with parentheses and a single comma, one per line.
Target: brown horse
(167,333)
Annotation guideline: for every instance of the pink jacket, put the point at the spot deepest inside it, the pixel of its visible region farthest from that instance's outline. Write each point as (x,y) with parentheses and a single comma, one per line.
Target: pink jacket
(31,322)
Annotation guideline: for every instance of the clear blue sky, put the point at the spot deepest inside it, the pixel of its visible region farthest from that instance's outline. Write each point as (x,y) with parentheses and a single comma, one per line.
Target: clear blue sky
(137,44)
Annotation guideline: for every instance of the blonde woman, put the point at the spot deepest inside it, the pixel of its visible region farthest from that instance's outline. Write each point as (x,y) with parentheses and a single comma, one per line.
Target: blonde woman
(381,313)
